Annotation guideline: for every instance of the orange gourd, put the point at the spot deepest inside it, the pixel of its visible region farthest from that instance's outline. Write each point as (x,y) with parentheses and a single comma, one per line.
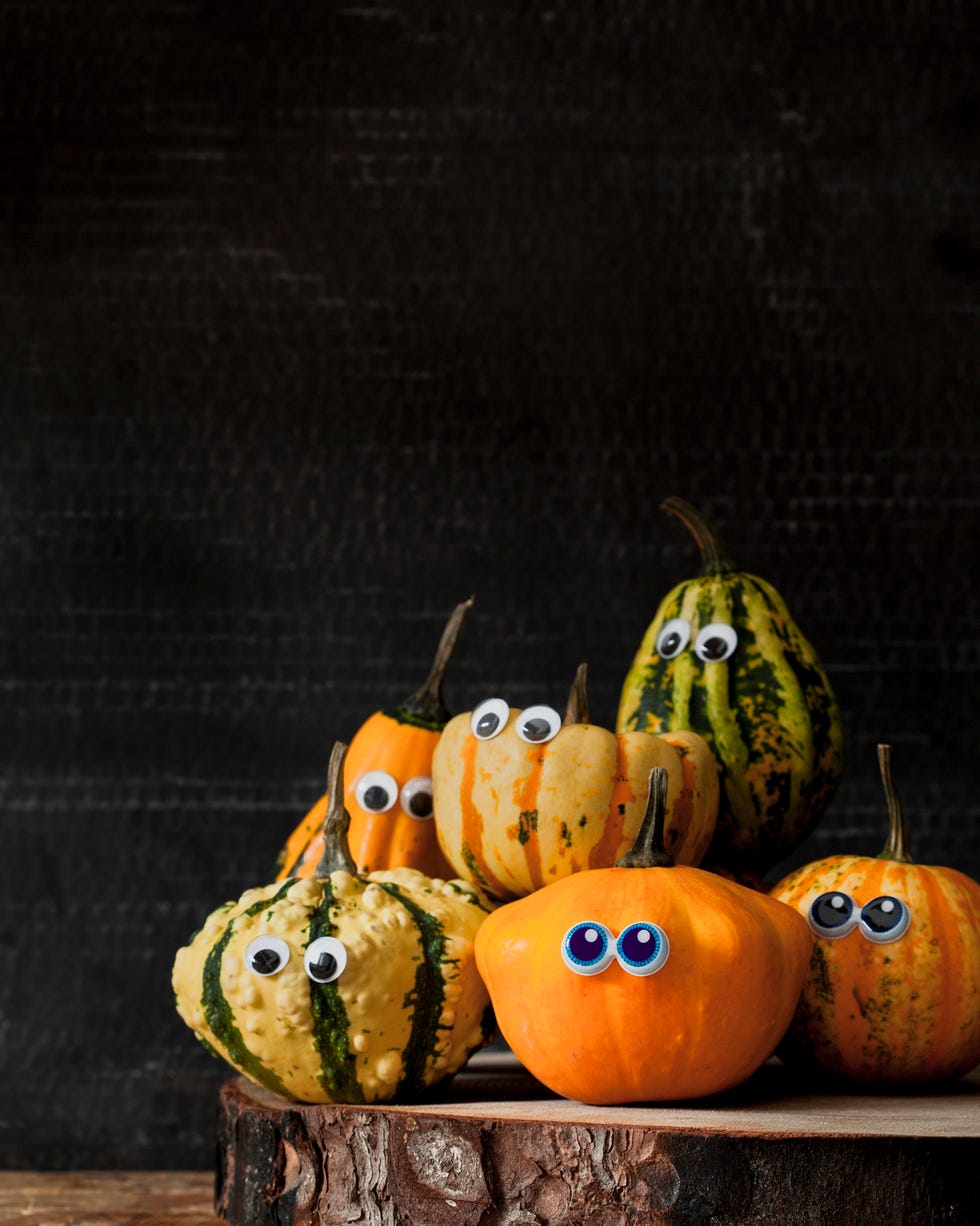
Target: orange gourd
(893,991)
(524,798)
(643,981)
(388,783)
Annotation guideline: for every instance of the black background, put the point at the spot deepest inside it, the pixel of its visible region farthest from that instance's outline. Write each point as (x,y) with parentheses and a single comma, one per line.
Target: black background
(318,318)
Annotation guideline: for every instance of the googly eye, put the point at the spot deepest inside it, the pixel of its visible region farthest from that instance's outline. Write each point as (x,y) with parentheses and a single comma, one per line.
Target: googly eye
(538,724)
(885,919)
(715,642)
(642,948)
(325,959)
(832,915)
(376,791)
(416,798)
(266,955)
(489,718)
(673,638)
(587,948)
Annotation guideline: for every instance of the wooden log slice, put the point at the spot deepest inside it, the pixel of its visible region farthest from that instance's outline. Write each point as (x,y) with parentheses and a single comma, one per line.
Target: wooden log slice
(497,1149)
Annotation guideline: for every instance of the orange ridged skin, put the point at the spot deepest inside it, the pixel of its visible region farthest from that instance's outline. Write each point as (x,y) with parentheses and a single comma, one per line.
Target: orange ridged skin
(903,1012)
(701,1024)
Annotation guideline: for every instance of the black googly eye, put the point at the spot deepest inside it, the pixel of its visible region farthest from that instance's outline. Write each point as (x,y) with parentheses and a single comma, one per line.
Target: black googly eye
(673,638)
(376,791)
(538,724)
(587,948)
(832,915)
(715,642)
(885,919)
(642,948)
(266,955)
(416,798)
(325,959)
(489,718)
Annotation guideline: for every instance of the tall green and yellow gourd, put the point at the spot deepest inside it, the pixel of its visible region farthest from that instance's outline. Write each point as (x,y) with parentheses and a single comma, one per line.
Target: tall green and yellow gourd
(724,658)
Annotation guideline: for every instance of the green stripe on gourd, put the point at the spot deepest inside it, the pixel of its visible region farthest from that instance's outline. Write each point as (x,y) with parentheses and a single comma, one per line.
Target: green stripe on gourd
(331,1026)
(768,711)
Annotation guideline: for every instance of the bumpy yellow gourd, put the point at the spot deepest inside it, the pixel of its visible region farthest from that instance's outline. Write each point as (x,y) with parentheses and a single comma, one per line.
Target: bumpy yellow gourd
(341,987)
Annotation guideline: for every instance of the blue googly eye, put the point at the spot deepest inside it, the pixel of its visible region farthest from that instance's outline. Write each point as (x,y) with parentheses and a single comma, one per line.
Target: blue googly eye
(642,948)
(587,948)
(885,919)
(832,915)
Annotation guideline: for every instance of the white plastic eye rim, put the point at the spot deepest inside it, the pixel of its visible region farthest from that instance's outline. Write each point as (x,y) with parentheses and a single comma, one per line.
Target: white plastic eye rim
(602,962)
(679,626)
(316,949)
(421,785)
(893,934)
(487,709)
(660,956)
(540,712)
(840,930)
(263,944)
(716,630)
(376,779)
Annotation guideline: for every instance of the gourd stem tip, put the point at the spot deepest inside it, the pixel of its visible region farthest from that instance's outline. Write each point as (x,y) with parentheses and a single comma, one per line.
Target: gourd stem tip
(715,558)
(336,822)
(427,702)
(577,707)
(897,846)
(649,849)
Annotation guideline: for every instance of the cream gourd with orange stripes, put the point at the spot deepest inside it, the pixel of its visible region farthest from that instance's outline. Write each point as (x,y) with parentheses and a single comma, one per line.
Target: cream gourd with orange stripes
(523,798)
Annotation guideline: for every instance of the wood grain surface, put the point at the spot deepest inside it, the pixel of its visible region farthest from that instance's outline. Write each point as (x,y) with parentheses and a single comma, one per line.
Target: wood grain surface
(107,1198)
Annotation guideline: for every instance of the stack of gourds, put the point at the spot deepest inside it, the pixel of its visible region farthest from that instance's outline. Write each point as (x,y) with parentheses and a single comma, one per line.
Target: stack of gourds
(597,895)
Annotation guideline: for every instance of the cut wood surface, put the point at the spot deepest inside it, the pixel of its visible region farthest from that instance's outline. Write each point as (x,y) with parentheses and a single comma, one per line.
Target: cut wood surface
(497,1149)
(107,1198)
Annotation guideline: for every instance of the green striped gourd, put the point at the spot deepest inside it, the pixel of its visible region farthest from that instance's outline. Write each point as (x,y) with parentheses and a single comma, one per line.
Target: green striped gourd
(724,658)
(340,988)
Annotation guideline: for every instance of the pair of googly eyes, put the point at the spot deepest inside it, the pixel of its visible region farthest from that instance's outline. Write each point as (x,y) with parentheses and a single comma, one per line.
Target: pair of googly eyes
(377,792)
(834,914)
(714,642)
(587,948)
(324,959)
(534,724)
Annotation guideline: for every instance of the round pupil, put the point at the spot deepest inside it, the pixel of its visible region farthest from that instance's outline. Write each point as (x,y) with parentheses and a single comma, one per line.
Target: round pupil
(714,648)
(670,644)
(376,798)
(487,723)
(639,945)
(421,804)
(537,730)
(265,961)
(586,944)
(323,967)
(831,910)
(882,914)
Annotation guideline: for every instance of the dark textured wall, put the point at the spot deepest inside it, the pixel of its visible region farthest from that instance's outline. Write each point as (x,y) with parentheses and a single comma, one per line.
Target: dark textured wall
(317,318)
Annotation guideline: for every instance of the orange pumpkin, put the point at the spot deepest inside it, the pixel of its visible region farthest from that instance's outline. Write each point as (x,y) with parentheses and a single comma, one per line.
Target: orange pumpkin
(524,798)
(644,981)
(388,784)
(893,991)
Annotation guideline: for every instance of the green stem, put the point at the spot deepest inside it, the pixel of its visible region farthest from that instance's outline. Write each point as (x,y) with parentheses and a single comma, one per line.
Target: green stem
(577,707)
(897,847)
(336,824)
(714,556)
(426,706)
(648,850)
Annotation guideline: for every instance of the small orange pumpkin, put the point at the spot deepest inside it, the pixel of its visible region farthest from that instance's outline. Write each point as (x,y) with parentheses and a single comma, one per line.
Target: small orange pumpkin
(644,981)
(523,798)
(388,784)
(893,991)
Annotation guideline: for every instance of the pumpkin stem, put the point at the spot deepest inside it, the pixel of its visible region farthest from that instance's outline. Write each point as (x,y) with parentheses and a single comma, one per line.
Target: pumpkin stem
(897,847)
(577,708)
(336,850)
(649,849)
(714,556)
(426,707)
